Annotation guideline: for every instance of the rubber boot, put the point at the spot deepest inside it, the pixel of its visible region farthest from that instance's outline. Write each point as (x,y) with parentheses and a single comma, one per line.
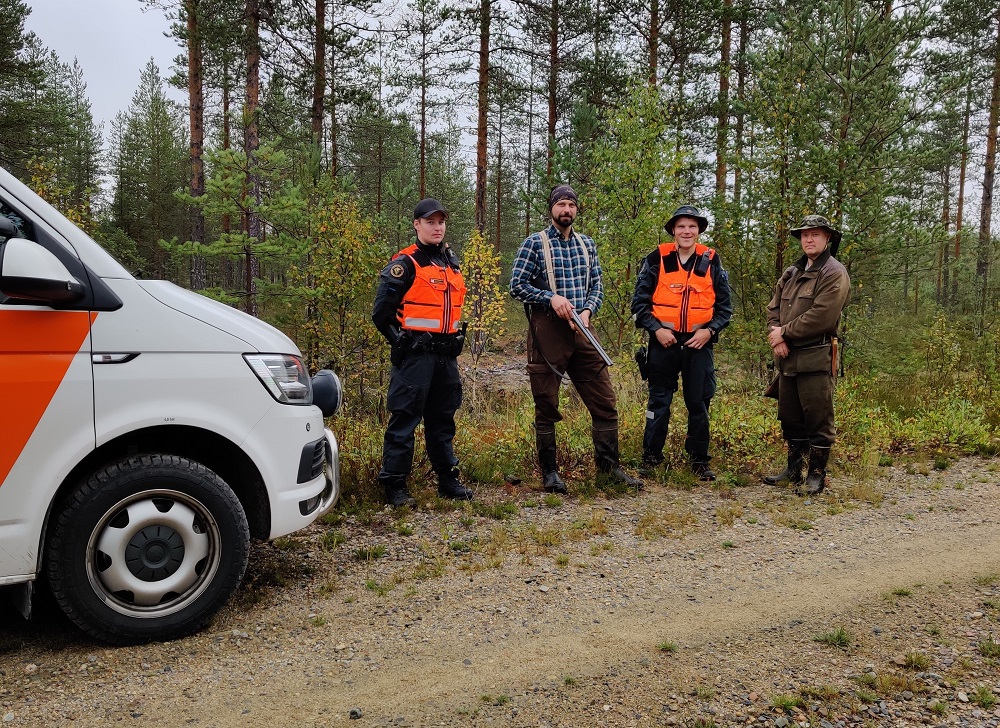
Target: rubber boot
(816,479)
(545,442)
(792,474)
(449,486)
(606,457)
(396,494)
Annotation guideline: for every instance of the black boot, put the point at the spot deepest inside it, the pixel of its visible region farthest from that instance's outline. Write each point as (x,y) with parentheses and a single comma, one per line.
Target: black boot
(606,457)
(450,487)
(545,442)
(699,466)
(396,494)
(792,474)
(816,479)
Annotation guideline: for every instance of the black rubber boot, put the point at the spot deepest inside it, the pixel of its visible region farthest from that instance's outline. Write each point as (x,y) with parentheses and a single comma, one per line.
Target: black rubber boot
(699,466)
(816,479)
(606,457)
(651,461)
(792,474)
(449,486)
(545,442)
(396,494)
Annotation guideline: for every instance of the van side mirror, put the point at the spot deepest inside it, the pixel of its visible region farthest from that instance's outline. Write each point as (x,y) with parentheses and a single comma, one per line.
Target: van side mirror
(7,229)
(29,272)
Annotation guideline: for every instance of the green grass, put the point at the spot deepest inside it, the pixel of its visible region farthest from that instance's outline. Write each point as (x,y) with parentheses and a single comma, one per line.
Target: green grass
(835,638)
(497,700)
(938,708)
(331,539)
(916,660)
(667,647)
(983,697)
(989,647)
(370,553)
(787,703)
(497,511)
(378,588)
(866,696)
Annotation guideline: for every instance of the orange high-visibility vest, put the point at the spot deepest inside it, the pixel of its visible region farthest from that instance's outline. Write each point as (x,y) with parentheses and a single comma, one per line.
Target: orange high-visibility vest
(434,301)
(685,300)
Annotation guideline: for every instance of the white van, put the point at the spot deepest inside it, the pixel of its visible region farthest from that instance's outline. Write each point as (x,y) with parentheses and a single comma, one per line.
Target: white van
(147,433)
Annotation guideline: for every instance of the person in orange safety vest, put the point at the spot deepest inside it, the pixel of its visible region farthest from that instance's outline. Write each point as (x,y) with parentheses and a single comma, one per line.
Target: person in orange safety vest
(682,300)
(418,309)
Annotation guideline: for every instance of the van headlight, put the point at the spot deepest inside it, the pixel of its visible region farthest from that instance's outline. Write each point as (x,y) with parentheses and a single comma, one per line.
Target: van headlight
(284,376)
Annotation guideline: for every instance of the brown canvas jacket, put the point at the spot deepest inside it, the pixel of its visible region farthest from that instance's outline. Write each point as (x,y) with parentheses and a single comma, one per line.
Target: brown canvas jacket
(808,304)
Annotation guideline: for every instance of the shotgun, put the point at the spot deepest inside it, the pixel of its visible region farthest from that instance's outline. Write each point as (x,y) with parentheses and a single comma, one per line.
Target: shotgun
(590,337)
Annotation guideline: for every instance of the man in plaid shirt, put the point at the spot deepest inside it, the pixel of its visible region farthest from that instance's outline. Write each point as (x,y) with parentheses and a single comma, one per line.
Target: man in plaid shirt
(556,272)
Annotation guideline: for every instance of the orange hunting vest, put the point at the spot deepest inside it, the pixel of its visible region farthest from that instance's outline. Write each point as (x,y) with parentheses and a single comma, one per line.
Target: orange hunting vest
(683,300)
(434,301)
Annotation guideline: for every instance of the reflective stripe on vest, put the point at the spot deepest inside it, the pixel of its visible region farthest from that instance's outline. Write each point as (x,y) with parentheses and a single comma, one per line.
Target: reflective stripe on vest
(684,300)
(434,301)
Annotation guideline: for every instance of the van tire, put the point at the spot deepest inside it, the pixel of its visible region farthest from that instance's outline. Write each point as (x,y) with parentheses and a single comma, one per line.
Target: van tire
(147,548)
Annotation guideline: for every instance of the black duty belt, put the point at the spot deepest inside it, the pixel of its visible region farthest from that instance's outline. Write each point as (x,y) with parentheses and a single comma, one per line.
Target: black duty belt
(809,343)
(437,345)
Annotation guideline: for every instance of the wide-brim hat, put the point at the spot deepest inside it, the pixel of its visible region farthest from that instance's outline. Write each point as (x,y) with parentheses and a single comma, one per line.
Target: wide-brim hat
(687,211)
(810,222)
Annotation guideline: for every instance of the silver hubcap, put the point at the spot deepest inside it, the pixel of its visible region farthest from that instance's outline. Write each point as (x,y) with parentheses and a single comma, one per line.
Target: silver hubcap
(153,553)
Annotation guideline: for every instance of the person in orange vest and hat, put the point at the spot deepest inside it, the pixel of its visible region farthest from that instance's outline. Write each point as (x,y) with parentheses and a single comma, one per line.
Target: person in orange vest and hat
(682,300)
(418,309)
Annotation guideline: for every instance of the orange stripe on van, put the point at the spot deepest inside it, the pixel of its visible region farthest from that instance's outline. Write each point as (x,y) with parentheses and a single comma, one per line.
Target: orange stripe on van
(36,349)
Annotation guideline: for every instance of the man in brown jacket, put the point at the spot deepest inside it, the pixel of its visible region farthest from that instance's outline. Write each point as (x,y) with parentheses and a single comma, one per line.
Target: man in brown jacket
(802,319)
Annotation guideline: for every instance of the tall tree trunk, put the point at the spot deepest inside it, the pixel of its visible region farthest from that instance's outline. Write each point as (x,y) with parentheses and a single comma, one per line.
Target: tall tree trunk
(723,122)
(654,42)
(497,178)
(319,73)
(482,107)
(423,112)
(846,106)
(251,144)
(553,85)
(960,206)
(334,128)
(529,171)
(196,120)
(741,75)
(943,282)
(989,169)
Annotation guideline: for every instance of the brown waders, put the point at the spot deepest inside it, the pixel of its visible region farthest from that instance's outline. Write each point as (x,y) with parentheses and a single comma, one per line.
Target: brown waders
(553,349)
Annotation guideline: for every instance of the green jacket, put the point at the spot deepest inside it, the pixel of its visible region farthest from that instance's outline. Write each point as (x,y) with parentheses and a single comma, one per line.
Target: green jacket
(807,305)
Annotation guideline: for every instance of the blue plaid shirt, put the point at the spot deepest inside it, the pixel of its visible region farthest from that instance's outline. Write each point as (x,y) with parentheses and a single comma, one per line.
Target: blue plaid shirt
(581,286)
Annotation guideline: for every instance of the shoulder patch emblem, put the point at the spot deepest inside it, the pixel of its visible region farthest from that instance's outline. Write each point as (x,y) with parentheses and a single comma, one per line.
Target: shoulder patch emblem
(396,271)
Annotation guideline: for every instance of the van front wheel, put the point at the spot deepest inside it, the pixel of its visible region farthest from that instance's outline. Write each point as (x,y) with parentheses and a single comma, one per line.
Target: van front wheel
(148,548)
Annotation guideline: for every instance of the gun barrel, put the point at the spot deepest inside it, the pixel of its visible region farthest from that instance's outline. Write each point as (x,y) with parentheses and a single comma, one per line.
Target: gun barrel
(590,337)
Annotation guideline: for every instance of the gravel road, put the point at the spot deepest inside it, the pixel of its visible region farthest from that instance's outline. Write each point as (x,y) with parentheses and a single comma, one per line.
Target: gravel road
(875,604)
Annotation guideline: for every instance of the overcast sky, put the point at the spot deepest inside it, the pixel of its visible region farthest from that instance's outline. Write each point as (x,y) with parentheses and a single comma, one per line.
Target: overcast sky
(112,40)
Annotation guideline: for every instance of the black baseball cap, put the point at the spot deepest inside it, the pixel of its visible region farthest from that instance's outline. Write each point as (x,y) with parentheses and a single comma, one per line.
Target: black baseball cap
(427,207)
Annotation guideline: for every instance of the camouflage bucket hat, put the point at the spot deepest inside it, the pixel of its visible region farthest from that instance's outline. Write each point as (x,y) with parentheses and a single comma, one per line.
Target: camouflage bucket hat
(687,211)
(818,221)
